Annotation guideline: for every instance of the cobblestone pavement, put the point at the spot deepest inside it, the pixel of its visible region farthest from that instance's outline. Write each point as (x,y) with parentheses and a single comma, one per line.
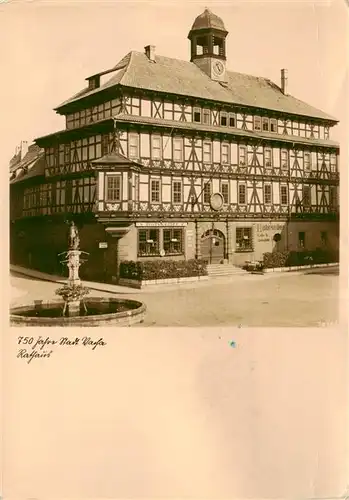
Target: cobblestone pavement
(309,298)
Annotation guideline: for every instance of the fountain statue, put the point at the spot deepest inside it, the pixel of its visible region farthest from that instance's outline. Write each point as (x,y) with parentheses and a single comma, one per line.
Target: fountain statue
(73,292)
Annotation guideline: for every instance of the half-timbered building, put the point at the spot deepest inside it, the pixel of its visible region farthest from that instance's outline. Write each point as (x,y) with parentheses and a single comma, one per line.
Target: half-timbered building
(164,158)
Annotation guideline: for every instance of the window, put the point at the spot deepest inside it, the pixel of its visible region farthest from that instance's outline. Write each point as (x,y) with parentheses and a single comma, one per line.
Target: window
(301,239)
(284,195)
(224,119)
(257,123)
(133,146)
(306,196)
(225,192)
(156,147)
(113,187)
(267,194)
(177,191)
(307,162)
(207,152)
(333,163)
(232,120)
(273,125)
(173,241)
(333,196)
(327,133)
(244,239)
(67,153)
(225,153)
(242,156)
(324,238)
(178,149)
(265,124)
(206,117)
(197,115)
(148,242)
(105,144)
(284,159)
(207,192)
(242,194)
(155,191)
(267,157)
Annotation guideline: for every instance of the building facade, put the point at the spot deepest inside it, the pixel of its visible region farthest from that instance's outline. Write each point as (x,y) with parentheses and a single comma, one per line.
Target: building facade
(169,159)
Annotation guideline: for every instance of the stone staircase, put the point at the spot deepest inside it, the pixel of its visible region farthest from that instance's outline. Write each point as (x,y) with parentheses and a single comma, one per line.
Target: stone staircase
(219,270)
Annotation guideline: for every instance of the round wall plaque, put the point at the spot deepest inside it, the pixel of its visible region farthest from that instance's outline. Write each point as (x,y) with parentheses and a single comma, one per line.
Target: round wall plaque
(216,201)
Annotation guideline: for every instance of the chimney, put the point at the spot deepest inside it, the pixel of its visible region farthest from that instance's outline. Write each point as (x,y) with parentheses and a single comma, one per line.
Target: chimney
(150,52)
(284,81)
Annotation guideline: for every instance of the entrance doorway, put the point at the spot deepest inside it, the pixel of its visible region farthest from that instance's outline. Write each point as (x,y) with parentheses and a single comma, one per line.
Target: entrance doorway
(213,246)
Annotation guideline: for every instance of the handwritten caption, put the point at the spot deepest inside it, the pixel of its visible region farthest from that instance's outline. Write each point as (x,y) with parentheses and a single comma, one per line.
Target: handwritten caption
(43,347)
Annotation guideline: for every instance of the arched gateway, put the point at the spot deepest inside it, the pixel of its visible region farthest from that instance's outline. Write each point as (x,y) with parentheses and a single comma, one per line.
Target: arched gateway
(213,246)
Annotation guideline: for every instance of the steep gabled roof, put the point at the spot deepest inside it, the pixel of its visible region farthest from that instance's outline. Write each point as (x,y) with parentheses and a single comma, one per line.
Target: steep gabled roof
(31,165)
(184,78)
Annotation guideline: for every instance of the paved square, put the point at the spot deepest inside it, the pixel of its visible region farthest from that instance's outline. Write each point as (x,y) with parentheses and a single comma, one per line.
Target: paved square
(309,298)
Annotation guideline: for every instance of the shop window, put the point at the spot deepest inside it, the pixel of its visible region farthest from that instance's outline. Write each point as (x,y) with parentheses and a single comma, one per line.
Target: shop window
(148,242)
(173,241)
(244,239)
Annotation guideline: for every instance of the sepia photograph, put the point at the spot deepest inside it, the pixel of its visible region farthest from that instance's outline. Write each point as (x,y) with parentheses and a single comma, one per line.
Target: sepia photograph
(177,183)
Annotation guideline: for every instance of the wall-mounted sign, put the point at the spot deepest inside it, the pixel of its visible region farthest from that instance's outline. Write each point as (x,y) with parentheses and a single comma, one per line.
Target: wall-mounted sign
(103,244)
(216,201)
(161,224)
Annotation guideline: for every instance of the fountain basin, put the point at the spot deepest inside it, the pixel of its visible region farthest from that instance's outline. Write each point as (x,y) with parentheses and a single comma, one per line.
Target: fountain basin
(101,311)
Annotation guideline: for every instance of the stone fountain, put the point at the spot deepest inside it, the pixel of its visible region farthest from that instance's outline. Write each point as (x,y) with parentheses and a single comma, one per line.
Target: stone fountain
(73,292)
(76,310)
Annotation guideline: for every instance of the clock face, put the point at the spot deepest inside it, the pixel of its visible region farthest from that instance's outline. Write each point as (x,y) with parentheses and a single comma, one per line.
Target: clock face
(218,68)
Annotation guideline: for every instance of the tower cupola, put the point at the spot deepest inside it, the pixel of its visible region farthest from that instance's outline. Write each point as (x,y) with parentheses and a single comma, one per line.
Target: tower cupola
(207,37)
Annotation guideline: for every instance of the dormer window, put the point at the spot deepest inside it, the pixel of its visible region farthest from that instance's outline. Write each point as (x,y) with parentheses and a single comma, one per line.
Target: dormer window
(257,123)
(94,82)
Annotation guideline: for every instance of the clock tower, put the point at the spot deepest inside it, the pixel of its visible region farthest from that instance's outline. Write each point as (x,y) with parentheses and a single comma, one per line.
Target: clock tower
(207,37)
